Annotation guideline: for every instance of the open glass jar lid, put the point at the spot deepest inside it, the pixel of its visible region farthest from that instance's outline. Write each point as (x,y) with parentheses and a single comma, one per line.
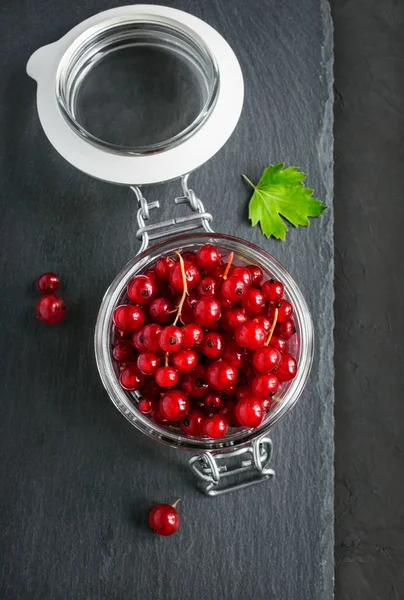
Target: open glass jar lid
(138,94)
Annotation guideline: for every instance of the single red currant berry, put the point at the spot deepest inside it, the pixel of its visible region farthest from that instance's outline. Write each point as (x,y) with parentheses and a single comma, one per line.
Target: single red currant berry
(151,336)
(232,318)
(208,257)
(216,426)
(251,335)
(266,404)
(158,418)
(142,289)
(249,412)
(164,519)
(273,290)
(173,405)
(171,339)
(131,378)
(148,363)
(184,360)
(151,273)
(192,275)
(50,309)
(213,401)
(253,302)
(278,343)
(192,423)
(207,311)
(190,257)
(244,274)
(221,375)
(212,345)
(256,274)
(128,317)
(138,341)
(266,359)
(225,302)
(123,351)
(160,311)
(234,288)
(207,287)
(264,385)
(286,329)
(192,335)
(195,383)
(151,388)
(166,377)
(264,321)
(48,283)
(235,355)
(287,369)
(244,391)
(285,310)
(163,267)
(218,272)
(147,405)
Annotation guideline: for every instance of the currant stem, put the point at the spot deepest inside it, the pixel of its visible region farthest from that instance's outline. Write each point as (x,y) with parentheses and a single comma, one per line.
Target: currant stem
(231,256)
(176,502)
(166,359)
(185,285)
(271,331)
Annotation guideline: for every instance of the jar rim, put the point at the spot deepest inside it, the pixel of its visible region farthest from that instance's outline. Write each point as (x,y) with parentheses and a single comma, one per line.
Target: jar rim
(121,399)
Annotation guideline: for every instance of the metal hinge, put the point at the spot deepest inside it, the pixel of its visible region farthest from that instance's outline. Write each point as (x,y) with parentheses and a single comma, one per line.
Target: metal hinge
(200,219)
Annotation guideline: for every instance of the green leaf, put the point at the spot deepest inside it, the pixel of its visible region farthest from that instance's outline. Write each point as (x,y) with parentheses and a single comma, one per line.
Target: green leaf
(281,193)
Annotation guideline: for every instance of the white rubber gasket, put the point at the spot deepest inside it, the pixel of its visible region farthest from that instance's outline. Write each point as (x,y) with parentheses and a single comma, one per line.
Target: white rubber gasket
(152,168)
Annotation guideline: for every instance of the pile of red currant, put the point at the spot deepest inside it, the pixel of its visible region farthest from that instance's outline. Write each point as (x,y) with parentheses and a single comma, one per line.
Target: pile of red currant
(204,341)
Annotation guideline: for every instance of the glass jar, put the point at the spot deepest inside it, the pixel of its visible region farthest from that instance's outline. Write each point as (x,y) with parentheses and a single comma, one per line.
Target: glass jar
(144,94)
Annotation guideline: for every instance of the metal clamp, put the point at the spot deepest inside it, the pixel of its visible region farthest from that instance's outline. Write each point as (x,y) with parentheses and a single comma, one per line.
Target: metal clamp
(208,468)
(146,233)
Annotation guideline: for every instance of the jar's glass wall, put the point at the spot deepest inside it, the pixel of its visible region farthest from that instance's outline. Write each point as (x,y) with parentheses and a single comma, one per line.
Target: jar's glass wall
(301,347)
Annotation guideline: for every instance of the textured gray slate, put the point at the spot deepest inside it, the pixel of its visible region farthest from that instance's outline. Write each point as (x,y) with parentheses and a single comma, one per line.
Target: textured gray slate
(77,479)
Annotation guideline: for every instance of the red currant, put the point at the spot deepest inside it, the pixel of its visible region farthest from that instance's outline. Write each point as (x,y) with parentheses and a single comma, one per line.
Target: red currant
(147,405)
(131,378)
(208,257)
(287,369)
(286,329)
(192,335)
(148,363)
(266,359)
(264,385)
(221,375)
(278,343)
(164,519)
(266,404)
(128,317)
(174,404)
(244,274)
(195,383)
(256,274)
(216,426)
(138,341)
(163,267)
(192,275)
(244,391)
(50,309)
(151,336)
(285,310)
(233,318)
(207,287)
(273,290)
(264,321)
(160,311)
(253,302)
(249,412)
(48,283)
(142,289)
(213,401)
(212,345)
(166,377)
(250,335)
(234,288)
(192,423)
(184,360)
(190,257)
(171,339)
(207,311)
(150,387)
(123,351)
(235,355)
(158,418)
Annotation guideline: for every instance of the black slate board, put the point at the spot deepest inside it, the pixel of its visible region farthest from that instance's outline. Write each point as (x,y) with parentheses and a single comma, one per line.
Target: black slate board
(77,479)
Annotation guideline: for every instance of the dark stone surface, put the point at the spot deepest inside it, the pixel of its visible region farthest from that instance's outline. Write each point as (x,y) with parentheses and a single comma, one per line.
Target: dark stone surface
(77,479)
(369,177)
